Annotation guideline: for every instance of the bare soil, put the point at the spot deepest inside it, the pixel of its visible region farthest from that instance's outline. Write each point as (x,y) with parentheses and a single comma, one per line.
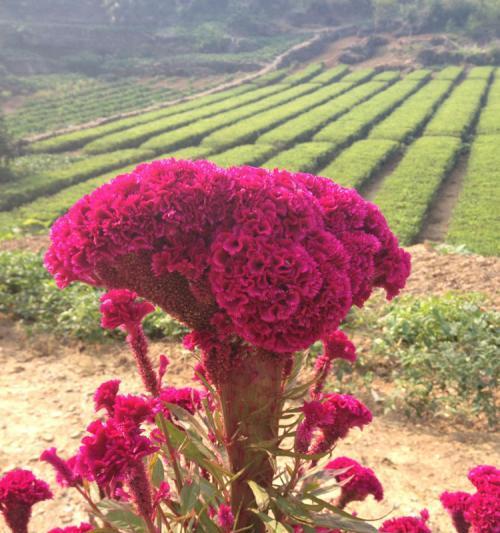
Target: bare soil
(46,400)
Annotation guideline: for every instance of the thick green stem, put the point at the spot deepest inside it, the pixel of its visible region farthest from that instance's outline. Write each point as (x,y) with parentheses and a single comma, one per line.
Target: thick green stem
(251,405)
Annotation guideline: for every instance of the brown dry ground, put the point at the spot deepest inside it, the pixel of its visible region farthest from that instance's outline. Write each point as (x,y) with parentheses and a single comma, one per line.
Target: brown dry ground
(46,390)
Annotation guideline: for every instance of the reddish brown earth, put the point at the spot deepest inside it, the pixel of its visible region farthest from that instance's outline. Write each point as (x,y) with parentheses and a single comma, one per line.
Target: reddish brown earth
(46,400)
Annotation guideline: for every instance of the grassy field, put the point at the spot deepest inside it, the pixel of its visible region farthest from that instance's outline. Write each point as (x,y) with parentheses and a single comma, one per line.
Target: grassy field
(392,135)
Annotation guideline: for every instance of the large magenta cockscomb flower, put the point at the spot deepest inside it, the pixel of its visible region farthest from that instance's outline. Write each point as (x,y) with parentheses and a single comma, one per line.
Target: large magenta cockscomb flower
(358,481)
(82,528)
(283,255)
(407,524)
(19,491)
(456,504)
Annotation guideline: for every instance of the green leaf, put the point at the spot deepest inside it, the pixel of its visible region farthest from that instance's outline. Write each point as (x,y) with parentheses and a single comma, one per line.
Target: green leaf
(261,496)
(122,516)
(189,496)
(157,471)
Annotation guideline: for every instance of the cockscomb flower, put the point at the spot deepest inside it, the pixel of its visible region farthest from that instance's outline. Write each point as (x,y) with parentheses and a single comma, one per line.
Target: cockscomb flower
(334,416)
(66,474)
(109,453)
(186,397)
(105,394)
(131,411)
(120,308)
(82,528)
(336,346)
(456,504)
(358,481)
(407,524)
(19,491)
(225,518)
(485,478)
(279,256)
(483,512)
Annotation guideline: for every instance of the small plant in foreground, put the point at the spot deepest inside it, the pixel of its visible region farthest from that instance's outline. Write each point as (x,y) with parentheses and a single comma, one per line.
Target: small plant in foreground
(259,265)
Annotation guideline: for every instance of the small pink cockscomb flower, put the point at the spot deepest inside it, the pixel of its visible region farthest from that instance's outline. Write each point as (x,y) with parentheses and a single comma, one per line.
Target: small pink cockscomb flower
(66,471)
(19,491)
(120,308)
(225,518)
(357,481)
(328,420)
(407,524)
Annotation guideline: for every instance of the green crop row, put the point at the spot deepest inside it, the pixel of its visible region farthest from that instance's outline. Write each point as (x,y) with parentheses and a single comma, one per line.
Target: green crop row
(246,154)
(304,126)
(77,139)
(407,193)
(267,111)
(489,120)
(419,74)
(24,190)
(304,157)
(359,120)
(480,73)
(305,74)
(408,119)
(387,75)
(138,134)
(39,214)
(270,77)
(456,116)
(358,76)
(449,73)
(475,221)
(330,75)
(357,164)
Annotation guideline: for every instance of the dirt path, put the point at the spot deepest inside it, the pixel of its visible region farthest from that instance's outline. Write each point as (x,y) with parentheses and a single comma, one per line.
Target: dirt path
(46,400)
(438,218)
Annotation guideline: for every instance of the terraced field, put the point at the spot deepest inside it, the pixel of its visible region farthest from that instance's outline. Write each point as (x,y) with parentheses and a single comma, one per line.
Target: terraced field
(395,137)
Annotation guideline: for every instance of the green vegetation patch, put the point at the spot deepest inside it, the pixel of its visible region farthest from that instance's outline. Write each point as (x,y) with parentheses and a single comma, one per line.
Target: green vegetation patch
(475,221)
(489,120)
(407,120)
(249,130)
(24,190)
(419,74)
(441,353)
(305,74)
(200,129)
(358,163)
(304,126)
(359,120)
(77,139)
(330,75)
(407,193)
(449,73)
(480,73)
(28,293)
(456,116)
(387,75)
(304,157)
(138,134)
(358,76)
(246,154)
